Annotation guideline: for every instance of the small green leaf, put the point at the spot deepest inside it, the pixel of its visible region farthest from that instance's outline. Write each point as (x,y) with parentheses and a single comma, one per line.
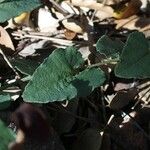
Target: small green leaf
(135,58)
(12,8)
(5,101)
(108,47)
(26,67)
(87,80)
(58,78)
(6,136)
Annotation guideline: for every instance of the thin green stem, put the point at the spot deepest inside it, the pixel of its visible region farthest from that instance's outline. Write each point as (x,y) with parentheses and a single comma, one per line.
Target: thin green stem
(104,62)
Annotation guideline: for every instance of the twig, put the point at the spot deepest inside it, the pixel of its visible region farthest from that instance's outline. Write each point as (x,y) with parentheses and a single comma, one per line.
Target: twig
(9,64)
(93,15)
(59,8)
(107,125)
(43,33)
(55,40)
(66,17)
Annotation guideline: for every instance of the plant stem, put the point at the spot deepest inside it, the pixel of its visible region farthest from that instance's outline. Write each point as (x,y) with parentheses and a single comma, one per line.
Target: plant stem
(9,64)
(104,62)
(58,7)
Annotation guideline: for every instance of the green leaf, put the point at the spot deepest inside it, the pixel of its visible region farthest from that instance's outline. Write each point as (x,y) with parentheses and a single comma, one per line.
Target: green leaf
(5,101)
(87,80)
(12,8)
(58,78)
(6,136)
(108,47)
(135,58)
(25,66)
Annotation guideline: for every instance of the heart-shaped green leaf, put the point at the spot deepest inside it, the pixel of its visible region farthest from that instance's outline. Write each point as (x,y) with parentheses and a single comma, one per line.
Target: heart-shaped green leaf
(12,8)
(58,78)
(135,58)
(108,47)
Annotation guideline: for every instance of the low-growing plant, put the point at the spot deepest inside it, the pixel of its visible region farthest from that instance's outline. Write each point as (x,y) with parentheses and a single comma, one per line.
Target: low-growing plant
(65,75)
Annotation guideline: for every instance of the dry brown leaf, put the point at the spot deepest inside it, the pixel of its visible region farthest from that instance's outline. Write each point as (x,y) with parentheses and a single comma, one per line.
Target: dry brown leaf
(144,94)
(91,4)
(134,23)
(72,26)
(70,34)
(123,86)
(131,8)
(21,20)
(5,39)
(104,12)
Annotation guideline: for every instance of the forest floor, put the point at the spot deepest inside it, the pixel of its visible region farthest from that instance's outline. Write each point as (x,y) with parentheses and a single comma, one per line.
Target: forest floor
(112,116)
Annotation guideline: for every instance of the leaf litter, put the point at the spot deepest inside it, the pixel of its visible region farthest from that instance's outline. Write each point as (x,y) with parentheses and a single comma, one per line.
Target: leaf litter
(115,115)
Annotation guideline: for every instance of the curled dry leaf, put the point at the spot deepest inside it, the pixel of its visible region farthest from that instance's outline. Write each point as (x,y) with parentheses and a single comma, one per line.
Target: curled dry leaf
(129,9)
(5,39)
(21,20)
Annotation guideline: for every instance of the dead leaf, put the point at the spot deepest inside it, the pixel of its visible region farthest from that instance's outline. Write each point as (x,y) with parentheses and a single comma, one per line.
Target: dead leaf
(104,12)
(129,9)
(124,86)
(46,21)
(5,39)
(69,8)
(91,4)
(70,34)
(23,19)
(31,49)
(85,52)
(134,23)
(144,94)
(72,26)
